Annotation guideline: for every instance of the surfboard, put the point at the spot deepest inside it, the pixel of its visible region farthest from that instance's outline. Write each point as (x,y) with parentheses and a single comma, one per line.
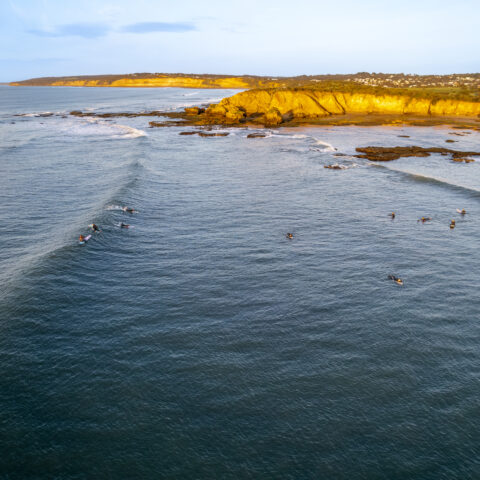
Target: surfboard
(87,238)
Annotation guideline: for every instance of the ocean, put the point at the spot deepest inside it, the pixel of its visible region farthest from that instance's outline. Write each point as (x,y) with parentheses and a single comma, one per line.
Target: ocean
(201,342)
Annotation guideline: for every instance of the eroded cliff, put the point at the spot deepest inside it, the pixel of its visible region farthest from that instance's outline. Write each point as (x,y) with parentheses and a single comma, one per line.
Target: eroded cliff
(275,106)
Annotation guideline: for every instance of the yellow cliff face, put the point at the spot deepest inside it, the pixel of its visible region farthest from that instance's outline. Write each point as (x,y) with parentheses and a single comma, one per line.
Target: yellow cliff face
(161,81)
(304,103)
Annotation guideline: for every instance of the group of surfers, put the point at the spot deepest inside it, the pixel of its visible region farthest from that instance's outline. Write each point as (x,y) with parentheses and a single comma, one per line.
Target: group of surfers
(427,219)
(396,279)
(95,228)
(462,212)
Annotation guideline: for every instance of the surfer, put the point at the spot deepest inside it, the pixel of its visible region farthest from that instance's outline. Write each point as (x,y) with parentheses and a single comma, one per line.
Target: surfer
(124,225)
(424,219)
(392,215)
(81,238)
(452,224)
(397,280)
(289,235)
(95,227)
(463,212)
(128,210)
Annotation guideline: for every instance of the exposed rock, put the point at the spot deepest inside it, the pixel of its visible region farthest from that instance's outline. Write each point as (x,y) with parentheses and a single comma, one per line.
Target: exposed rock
(194,110)
(155,113)
(203,134)
(404,136)
(256,135)
(335,166)
(450,141)
(235,115)
(273,117)
(215,134)
(385,154)
(216,109)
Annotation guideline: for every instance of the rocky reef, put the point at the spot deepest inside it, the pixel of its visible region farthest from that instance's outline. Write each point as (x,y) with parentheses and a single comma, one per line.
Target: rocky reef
(385,154)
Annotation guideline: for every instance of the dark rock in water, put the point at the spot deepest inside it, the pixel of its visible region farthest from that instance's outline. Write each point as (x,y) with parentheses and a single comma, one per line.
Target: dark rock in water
(468,160)
(340,155)
(203,134)
(13,123)
(335,167)
(45,115)
(385,154)
(216,134)
(155,113)
(450,141)
(404,136)
(256,135)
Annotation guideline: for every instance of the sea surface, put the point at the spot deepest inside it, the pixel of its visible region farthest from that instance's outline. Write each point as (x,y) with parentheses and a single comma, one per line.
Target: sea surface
(202,343)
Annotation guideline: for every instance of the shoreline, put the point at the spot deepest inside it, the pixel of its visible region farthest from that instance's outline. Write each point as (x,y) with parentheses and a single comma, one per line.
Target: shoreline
(181,119)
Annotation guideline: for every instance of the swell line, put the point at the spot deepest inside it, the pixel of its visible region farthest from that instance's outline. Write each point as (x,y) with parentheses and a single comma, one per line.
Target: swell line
(418,177)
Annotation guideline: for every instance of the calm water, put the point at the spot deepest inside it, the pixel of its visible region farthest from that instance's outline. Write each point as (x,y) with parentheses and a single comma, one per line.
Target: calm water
(202,343)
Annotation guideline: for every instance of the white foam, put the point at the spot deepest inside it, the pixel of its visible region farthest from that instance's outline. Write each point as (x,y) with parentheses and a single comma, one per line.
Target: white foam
(320,145)
(328,146)
(35,114)
(94,127)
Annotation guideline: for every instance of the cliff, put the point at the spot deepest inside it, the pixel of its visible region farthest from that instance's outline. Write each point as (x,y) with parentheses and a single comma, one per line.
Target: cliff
(275,106)
(154,80)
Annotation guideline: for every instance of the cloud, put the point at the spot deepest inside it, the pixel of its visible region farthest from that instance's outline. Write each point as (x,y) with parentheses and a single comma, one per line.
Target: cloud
(152,27)
(96,30)
(84,30)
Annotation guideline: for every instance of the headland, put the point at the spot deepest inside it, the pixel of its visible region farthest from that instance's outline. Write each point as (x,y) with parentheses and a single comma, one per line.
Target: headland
(358,99)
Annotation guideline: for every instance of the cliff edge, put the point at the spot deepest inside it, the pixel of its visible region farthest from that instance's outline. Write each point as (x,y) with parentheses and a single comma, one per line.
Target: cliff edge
(276,106)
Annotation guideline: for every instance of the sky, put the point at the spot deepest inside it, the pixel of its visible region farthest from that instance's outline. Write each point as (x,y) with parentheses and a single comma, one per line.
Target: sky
(259,37)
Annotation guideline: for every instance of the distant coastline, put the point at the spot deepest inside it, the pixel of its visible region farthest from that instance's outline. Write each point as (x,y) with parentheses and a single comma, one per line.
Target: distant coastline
(360,99)
(457,82)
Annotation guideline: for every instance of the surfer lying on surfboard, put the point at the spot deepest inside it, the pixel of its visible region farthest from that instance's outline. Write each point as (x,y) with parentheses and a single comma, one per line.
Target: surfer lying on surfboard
(95,227)
(124,225)
(397,280)
(129,210)
(461,212)
(82,239)
(424,219)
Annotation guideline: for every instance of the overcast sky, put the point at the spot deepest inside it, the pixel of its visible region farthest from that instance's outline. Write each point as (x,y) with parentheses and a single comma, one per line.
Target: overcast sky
(262,37)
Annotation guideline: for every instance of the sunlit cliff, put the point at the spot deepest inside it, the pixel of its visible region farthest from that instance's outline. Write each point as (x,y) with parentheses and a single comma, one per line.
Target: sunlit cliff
(278,105)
